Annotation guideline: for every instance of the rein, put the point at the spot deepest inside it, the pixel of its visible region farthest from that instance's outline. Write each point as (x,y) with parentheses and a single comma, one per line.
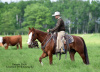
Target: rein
(43,47)
(45,38)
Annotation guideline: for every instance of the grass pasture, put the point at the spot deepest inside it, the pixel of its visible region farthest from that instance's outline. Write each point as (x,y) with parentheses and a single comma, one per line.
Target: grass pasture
(27,60)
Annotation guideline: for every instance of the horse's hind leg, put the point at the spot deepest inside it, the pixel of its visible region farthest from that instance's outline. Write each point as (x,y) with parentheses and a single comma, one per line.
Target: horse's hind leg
(83,57)
(72,53)
(41,57)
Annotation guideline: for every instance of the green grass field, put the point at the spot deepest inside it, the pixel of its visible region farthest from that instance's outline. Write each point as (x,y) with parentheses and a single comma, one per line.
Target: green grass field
(27,60)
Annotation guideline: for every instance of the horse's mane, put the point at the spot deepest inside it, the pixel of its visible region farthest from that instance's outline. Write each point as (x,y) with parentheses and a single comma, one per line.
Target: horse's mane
(41,35)
(40,32)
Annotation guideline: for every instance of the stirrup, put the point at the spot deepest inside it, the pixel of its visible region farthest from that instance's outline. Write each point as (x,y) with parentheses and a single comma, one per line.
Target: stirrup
(56,52)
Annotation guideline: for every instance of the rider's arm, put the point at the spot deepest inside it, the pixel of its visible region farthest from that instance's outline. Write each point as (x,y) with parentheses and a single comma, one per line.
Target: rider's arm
(56,27)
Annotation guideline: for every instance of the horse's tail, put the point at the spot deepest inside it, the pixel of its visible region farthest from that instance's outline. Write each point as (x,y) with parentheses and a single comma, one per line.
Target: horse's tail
(85,52)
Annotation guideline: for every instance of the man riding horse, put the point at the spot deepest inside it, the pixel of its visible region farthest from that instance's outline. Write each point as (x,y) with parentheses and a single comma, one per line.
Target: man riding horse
(60,29)
(48,44)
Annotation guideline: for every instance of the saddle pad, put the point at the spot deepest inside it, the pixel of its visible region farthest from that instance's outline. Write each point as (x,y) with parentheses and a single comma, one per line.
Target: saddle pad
(70,38)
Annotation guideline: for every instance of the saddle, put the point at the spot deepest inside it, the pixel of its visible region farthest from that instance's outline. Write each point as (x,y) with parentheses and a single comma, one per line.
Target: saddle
(67,40)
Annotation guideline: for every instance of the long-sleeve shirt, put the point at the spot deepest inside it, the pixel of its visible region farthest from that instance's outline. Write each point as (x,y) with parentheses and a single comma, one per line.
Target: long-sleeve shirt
(59,26)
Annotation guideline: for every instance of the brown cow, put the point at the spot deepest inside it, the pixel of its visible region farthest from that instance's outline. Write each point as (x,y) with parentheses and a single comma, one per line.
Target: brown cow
(1,44)
(11,41)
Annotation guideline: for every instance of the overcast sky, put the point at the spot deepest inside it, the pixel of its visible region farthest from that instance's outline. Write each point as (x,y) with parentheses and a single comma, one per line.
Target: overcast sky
(15,1)
(26,0)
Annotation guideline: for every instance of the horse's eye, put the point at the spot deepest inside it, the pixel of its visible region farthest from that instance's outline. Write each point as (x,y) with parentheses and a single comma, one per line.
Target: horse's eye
(33,34)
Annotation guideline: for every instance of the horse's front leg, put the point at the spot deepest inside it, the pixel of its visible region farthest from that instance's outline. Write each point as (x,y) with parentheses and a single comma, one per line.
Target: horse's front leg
(41,57)
(50,57)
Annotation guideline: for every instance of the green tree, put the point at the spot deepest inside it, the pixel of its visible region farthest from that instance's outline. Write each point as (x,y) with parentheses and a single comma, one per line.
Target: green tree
(38,16)
(95,9)
(77,12)
(8,20)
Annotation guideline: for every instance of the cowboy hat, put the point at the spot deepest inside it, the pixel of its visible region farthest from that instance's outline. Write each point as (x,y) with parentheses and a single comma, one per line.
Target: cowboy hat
(56,13)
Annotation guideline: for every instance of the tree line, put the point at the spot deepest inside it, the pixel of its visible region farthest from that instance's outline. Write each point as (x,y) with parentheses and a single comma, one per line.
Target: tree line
(79,16)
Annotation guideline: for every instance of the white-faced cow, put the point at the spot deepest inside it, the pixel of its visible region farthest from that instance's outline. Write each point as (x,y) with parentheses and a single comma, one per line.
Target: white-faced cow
(11,41)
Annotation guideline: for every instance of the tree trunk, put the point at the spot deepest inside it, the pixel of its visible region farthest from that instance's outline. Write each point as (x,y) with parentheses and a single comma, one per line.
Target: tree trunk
(20,21)
(77,29)
(69,30)
(87,28)
(83,28)
(96,28)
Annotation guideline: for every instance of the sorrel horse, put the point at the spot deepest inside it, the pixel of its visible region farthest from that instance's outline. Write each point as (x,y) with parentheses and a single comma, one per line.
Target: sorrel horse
(77,46)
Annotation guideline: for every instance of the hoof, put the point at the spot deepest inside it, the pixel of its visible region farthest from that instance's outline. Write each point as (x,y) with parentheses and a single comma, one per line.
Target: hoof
(42,63)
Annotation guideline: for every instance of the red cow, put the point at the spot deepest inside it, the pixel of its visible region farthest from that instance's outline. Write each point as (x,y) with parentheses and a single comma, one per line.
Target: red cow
(11,41)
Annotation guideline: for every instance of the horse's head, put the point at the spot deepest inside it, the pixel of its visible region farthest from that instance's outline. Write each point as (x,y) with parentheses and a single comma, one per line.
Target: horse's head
(32,36)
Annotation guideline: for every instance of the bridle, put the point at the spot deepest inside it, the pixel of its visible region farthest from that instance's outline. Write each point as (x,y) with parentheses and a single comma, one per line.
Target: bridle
(43,47)
(33,38)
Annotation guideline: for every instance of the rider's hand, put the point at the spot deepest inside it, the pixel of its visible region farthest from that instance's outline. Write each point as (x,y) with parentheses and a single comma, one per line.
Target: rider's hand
(48,30)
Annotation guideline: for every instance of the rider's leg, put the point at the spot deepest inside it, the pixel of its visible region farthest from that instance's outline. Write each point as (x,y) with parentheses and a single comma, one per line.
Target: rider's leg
(59,40)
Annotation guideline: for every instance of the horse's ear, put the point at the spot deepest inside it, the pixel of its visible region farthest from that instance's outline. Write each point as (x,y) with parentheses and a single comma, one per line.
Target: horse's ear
(29,28)
(33,29)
